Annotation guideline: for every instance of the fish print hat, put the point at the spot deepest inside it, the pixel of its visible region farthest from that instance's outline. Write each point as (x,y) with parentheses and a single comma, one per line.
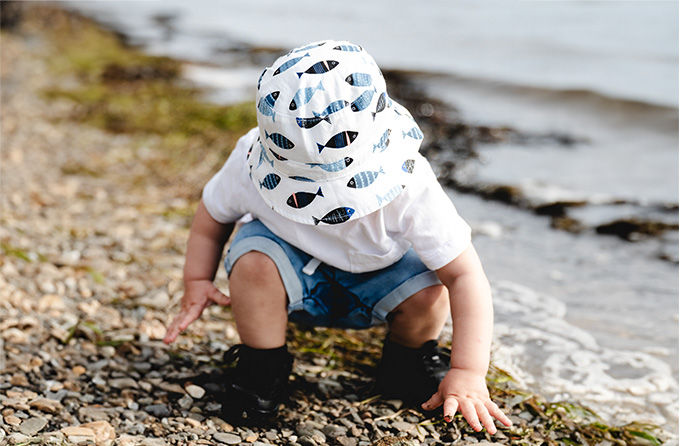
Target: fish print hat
(332,146)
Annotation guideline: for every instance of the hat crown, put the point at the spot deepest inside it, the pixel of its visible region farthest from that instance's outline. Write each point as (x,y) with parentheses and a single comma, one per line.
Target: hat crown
(319,104)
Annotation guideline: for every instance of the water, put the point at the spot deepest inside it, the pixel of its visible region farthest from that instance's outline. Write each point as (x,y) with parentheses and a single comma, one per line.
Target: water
(581,316)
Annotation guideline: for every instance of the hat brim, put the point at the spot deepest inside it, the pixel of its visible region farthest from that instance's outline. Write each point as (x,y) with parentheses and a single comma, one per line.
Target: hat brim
(361,188)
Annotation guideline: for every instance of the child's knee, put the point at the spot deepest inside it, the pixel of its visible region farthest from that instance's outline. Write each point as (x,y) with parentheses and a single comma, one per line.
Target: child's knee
(432,298)
(254,267)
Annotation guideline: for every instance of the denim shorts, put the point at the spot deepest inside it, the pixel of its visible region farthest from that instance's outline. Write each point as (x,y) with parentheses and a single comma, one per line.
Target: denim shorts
(321,295)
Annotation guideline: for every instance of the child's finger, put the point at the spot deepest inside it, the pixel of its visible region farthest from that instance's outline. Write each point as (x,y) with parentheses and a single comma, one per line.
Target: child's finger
(172,331)
(219,297)
(470,414)
(485,418)
(450,408)
(497,413)
(434,402)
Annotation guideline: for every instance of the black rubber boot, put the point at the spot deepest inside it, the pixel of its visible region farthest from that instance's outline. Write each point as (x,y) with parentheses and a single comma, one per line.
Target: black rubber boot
(411,374)
(259,382)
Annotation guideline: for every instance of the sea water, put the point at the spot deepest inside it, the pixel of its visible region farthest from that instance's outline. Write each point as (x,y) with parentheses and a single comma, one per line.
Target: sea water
(585,317)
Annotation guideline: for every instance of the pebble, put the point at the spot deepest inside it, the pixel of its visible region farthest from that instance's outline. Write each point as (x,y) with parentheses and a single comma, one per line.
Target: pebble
(227,438)
(158,410)
(195,391)
(32,425)
(46,405)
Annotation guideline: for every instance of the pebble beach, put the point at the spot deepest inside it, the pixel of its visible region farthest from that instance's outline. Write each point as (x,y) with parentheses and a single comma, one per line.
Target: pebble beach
(95,217)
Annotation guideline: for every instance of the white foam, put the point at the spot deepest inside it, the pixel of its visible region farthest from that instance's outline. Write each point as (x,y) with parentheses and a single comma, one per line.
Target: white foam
(557,359)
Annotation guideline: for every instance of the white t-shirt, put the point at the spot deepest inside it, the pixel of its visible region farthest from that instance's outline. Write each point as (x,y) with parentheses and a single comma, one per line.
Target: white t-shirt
(423,218)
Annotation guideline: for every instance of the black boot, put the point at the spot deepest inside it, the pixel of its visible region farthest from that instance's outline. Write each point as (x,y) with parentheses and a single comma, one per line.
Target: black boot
(259,382)
(411,374)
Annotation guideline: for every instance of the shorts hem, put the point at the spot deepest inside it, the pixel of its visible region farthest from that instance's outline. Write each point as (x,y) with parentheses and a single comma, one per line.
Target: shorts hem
(274,251)
(398,295)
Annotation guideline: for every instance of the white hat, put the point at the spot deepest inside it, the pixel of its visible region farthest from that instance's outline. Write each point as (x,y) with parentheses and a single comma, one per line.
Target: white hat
(333,146)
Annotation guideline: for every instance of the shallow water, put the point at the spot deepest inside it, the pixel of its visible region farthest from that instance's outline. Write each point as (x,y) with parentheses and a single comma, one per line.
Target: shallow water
(582,316)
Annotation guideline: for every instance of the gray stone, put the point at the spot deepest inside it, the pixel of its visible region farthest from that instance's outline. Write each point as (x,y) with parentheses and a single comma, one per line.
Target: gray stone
(332,430)
(345,441)
(185,402)
(32,426)
(307,440)
(227,438)
(157,410)
(17,438)
(195,391)
(123,383)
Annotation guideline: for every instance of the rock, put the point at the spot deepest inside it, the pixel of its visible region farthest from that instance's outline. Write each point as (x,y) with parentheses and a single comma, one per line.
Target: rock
(94,413)
(77,434)
(46,405)
(158,410)
(185,402)
(195,391)
(130,440)
(17,438)
(104,433)
(227,438)
(123,383)
(19,380)
(12,420)
(32,426)
(345,441)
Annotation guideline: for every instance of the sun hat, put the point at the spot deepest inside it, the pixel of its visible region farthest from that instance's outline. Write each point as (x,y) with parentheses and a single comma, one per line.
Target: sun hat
(332,145)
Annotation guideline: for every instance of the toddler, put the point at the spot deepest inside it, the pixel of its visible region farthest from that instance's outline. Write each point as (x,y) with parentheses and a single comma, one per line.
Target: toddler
(346,226)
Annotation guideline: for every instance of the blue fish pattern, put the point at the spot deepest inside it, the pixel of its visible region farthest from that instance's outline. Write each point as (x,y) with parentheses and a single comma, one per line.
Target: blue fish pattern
(339,140)
(414,133)
(280,140)
(390,195)
(266,104)
(259,81)
(308,123)
(289,63)
(303,96)
(334,166)
(363,179)
(337,215)
(270,181)
(350,48)
(298,200)
(384,141)
(359,79)
(264,157)
(277,156)
(332,108)
(363,101)
(380,106)
(408,166)
(299,178)
(320,67)
(309,47)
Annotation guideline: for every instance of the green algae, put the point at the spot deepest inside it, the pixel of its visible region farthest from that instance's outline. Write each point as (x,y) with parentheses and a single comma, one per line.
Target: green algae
(122,90)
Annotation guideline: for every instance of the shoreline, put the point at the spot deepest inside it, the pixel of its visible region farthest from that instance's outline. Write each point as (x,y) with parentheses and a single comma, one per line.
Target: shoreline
(100,298)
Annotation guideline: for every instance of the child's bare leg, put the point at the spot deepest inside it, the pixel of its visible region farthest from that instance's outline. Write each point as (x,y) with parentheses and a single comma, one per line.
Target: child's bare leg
(258,301)
(421,317)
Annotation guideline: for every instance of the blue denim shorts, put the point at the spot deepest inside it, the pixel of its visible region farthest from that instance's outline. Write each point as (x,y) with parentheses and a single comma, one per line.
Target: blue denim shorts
(321,295)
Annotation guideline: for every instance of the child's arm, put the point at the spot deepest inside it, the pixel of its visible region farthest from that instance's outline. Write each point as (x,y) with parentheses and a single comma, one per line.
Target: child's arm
(204,251)
(464,386)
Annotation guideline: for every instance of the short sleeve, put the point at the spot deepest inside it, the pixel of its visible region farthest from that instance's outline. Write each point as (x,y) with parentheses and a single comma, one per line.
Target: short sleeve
(223,194)
(430,222)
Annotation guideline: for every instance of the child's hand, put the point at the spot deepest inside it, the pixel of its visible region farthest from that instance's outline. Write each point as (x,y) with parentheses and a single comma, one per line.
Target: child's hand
(198,294)
(465,390)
